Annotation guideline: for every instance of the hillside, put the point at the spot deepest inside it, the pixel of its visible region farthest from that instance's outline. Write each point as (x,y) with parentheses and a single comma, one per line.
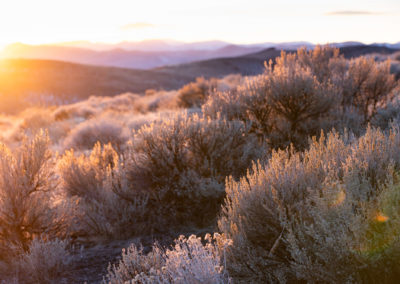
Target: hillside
(250,64)
(76,80)
(360,50)
(21,78)
(67,81)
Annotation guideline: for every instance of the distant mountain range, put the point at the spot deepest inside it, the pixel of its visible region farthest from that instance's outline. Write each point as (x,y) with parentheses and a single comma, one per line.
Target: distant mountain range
(151,54)
(119,57)
(148,45)
(172,45)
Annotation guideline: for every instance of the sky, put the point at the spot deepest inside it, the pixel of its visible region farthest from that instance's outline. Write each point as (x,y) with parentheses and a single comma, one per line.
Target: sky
(237,21)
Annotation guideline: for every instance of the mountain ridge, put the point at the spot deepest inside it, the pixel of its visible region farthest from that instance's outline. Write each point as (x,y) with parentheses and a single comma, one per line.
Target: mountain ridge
(119,57)
(122,55)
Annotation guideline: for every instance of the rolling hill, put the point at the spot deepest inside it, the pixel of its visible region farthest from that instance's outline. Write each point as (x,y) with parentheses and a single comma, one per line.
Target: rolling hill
(250,64)
(21,78)
(24,78)
(360,50)
(67,79)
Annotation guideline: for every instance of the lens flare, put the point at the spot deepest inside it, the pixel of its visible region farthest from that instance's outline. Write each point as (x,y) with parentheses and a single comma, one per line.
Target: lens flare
(380,217)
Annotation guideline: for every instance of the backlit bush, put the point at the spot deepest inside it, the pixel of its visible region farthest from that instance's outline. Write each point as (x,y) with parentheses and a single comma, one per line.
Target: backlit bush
(367,85)
(311,216)
(27,196)
(306,92)
(384,116)
(85,135)
(285,105)
(194,94)
(182,162)
(298,102)
(94,106)
(345,240)
(108,205)
(190,261)
(46,261)
(172,171)
(324,62)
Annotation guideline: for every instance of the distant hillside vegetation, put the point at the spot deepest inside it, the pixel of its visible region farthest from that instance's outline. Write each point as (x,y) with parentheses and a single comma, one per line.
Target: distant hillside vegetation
(20,78)
(26,78)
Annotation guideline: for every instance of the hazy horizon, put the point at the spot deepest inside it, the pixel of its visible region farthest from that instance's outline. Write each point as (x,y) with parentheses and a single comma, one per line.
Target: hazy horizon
(239,22)
(177,43)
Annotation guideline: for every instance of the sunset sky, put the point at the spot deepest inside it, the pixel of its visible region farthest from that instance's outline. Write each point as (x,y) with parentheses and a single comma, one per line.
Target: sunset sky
(238,21)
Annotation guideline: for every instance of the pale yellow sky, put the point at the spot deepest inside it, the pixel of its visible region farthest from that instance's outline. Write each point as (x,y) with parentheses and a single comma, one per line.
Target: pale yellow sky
(238,21)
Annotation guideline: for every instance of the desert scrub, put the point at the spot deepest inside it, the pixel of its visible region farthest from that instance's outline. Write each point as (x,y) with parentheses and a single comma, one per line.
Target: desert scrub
(285,105)
(108,206)
(306,92)
(28,199)
(313,215)
(171,173)
(368,84)
(46,261)
(189,261)
(183,162)
(195,94)
(347,240)
(85,135)
(385,115)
